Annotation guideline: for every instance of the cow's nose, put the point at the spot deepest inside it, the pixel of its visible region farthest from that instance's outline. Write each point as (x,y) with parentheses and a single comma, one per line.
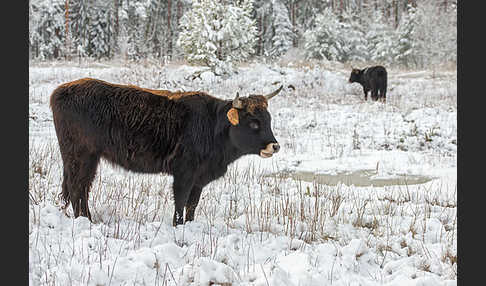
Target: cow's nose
(275,147)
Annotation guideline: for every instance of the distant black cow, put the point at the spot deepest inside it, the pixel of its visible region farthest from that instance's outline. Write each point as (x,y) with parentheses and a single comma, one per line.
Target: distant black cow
(372,79)
(190,135)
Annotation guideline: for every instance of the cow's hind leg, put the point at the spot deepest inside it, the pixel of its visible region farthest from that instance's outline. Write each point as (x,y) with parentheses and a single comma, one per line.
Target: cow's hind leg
(86,177)
(79,171)
(383,95)
(182,187)
(65,193)
(383,90)
(374,94)
(192,202)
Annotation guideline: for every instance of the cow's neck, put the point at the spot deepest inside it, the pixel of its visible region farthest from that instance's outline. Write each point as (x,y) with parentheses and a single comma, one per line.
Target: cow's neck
(231,153)
(228,152)
(362,75)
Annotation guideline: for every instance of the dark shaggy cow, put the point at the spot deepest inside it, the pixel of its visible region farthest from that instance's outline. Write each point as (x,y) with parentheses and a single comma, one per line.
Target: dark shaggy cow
(190,135)
(372,79)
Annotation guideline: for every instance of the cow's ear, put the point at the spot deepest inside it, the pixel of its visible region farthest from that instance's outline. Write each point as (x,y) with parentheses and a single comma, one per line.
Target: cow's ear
(233,116)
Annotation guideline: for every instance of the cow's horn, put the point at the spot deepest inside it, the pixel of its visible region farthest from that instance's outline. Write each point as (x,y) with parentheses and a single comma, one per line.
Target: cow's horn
(270,95)
(237,102)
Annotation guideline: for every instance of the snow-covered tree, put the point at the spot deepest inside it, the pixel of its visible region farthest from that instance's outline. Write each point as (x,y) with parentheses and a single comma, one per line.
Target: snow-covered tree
(353,33)
(92,27)
(325,39)
(380,39)
(406,49)
(133,21)
(283,34)
(80,22)
(101,33)
(34,36)
(218,34)
(436,33)
(46,35)
(450,32)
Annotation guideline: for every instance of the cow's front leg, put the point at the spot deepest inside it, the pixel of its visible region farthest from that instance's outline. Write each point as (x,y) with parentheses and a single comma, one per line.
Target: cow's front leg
(365,93)
(182,187)
(192,202)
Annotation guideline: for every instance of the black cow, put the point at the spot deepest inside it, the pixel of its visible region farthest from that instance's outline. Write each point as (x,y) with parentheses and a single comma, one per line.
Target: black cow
(372,79)
(190,135)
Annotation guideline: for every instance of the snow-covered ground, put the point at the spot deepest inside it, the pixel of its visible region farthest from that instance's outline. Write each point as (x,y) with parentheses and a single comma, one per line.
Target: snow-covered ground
(263,223)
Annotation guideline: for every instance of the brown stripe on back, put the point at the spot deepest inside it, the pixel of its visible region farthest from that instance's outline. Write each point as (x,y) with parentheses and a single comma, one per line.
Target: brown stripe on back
(79,81)
(167,93)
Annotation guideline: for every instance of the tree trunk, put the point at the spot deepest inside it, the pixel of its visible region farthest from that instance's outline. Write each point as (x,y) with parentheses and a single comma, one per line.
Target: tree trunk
(263,34)
(169,49)
(292,12)
(387,8)
(260,36)
(117,26)
(295,15)
(179,11)
(413,3)
(396,13)
(292,17)
(66,20)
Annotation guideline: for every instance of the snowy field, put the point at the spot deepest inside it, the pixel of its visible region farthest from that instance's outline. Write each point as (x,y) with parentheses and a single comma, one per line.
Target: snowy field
(361,193)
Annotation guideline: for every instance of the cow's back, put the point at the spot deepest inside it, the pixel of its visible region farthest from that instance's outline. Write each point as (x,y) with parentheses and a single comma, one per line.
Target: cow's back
(127,125)
(375,72)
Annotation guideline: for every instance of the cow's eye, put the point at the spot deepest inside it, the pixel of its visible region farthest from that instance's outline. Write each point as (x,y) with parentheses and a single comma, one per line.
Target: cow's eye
(254,125)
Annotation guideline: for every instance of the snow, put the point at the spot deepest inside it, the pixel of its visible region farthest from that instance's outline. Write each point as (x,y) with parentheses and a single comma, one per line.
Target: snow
(256,226)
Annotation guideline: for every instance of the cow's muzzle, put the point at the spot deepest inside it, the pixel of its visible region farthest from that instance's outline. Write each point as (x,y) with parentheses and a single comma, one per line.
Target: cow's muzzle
(269,150)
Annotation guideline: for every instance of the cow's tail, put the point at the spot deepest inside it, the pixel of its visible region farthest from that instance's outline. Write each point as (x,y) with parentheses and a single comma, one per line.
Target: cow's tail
(54,103)
(383,78)
(57,94)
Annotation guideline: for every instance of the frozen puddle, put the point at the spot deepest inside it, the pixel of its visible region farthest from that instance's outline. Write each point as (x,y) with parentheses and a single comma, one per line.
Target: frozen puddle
(360,178)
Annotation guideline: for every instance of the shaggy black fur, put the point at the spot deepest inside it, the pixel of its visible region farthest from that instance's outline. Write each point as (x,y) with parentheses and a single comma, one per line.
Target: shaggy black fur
(185,134)
(371,78)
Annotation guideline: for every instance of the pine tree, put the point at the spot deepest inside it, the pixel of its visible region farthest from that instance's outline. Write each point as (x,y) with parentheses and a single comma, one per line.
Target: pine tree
(283,35)
(47,35)
(324,40)
(132,41)
(380,39)
(217,35)
(450,29)
(79,25)
(154,30)
(34,36)
(435,33)
(406,49)
(354,36)
(101,33)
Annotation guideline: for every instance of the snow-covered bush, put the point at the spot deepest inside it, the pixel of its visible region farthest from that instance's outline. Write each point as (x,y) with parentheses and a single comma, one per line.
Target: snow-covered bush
(217,34)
